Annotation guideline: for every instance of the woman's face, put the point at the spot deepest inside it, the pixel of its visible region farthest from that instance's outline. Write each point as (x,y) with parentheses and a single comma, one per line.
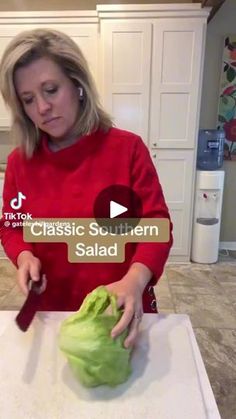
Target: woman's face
(49,98)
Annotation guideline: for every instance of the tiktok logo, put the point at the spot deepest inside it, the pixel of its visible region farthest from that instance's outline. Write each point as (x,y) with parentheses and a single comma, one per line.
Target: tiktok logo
(16,203)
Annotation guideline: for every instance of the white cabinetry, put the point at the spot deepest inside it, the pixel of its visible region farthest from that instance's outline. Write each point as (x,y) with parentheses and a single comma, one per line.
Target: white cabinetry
(175,170)
(176,81)
(152,61)
(126,65)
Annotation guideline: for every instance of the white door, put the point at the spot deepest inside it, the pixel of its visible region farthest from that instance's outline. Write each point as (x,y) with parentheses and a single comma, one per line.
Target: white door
(176,80)
(175,169)
(125,73)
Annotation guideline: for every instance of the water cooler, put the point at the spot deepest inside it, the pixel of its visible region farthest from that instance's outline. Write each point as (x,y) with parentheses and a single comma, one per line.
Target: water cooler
(208,197)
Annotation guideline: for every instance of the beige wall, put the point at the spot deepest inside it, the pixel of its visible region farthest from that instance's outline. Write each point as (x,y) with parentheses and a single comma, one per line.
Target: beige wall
(71,4)
(223,23)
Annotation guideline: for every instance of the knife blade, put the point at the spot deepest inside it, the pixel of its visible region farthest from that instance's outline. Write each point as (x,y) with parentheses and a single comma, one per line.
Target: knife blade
(31,304)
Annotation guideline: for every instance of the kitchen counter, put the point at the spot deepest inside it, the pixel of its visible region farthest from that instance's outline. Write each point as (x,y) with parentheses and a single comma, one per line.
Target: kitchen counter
(169,380)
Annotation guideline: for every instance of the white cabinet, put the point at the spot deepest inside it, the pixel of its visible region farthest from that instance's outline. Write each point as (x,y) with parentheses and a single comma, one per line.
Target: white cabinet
(152,70)
(152,74)
(176,81)
(175,169)
(126,65)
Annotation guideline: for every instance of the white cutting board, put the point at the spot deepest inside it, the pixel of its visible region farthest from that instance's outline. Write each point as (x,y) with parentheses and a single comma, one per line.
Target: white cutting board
(169,380)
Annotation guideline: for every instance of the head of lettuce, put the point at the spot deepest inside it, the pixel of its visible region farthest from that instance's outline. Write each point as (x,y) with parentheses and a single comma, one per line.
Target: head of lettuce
(94,356)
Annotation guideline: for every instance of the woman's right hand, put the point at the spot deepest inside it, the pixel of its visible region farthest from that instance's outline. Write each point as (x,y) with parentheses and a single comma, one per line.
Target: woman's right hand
(29,266)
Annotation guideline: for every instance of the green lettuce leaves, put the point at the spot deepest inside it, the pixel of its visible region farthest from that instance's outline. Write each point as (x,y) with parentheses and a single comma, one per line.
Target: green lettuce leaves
(84,337)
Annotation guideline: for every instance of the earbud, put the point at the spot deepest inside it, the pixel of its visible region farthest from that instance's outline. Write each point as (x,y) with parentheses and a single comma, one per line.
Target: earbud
(81,92)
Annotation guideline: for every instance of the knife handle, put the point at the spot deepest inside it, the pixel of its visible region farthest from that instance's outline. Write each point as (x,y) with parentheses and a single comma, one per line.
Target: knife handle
(38,286)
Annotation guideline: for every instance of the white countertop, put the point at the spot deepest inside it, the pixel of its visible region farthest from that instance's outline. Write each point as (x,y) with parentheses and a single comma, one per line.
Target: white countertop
(169,380)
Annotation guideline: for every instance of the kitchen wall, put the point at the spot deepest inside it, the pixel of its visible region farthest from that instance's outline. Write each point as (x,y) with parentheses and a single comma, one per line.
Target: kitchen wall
(223,23)
(72,4)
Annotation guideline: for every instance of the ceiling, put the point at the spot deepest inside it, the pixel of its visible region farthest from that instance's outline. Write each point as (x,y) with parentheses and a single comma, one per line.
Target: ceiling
(37,5)
(215,4)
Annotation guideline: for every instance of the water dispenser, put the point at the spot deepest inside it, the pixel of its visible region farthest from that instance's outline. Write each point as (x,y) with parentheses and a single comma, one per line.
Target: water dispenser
(207,216)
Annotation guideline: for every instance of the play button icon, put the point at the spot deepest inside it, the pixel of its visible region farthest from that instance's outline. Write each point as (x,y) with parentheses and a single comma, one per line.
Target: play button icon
(117,207)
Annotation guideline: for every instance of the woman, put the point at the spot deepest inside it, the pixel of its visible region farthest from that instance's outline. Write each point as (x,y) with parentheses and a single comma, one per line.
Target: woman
(68,152)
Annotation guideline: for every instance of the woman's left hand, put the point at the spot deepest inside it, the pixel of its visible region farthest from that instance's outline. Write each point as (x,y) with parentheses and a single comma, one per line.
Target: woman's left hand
(129,291)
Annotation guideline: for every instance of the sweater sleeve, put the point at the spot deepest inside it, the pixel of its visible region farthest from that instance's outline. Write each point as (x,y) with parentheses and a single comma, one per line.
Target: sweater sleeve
(11,237)
(145,183)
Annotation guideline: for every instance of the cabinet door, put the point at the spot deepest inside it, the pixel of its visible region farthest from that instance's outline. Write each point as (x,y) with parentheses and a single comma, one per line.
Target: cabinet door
(125,70)
(176,82)
(86,37)
(175,170)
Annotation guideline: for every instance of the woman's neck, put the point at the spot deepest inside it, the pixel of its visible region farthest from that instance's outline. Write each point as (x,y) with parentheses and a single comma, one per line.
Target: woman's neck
(59,144)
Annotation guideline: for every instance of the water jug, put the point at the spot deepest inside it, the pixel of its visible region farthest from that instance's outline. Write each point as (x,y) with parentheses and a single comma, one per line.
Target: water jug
(210,151)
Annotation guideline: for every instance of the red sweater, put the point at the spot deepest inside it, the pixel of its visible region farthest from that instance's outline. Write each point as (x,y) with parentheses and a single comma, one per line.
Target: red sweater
(65,184)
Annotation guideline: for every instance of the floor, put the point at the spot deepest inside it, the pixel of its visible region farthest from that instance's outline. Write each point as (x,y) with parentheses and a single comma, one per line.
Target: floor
(207,293)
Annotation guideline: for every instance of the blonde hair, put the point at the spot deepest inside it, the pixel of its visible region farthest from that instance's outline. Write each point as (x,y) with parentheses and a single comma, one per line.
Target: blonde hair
(29,46)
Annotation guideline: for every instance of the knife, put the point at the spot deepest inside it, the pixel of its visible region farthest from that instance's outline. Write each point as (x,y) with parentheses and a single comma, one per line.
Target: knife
(31,304)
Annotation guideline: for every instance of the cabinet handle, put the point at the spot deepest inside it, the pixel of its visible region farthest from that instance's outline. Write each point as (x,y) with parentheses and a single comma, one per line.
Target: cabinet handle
(154,156)
(154,144)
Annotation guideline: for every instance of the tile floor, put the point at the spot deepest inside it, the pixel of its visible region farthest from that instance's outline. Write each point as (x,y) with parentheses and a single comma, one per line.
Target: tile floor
(207,293)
